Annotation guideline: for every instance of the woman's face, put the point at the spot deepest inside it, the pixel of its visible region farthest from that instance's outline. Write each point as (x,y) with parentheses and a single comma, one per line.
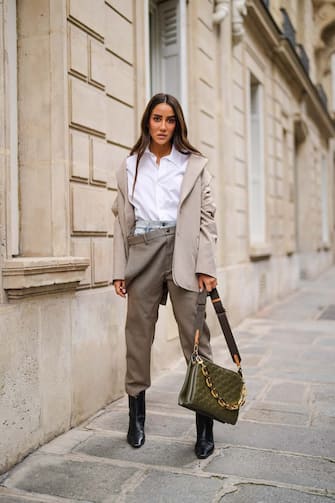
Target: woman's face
(162,124)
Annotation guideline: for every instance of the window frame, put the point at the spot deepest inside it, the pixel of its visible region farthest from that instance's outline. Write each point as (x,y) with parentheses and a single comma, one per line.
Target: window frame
(153,60)
(257,226)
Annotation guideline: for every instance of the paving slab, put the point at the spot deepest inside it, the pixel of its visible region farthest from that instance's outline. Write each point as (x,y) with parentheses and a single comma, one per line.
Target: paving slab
(280,413)
(169,487)
(154,451)
(252,493)
(275,466)
(314,442)
(156,423)
(80,480)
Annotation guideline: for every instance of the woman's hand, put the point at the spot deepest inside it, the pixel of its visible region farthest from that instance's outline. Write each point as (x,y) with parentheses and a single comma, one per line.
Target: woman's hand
(206,282)
(120,287)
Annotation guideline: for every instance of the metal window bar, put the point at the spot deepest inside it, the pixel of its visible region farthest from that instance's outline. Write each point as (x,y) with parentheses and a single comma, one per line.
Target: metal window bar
(322,95)
(288,28)
(303,57)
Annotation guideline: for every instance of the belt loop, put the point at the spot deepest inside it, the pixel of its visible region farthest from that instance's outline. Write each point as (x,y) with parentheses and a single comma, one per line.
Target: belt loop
(145,238)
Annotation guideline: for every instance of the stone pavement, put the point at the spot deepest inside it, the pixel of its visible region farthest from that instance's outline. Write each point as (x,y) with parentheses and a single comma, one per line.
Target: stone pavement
(281,451)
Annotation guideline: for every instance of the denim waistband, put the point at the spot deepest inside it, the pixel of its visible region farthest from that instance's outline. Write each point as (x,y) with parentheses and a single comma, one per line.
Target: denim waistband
(148,236)
(143,226)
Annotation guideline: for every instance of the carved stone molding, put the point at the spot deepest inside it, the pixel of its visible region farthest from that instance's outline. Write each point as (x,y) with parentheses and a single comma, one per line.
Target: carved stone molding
(239,12)
(221,9)
(25,277)
(300,128)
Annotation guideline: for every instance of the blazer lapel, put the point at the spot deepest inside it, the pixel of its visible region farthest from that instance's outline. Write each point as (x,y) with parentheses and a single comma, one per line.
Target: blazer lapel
(194,169)
(122,180)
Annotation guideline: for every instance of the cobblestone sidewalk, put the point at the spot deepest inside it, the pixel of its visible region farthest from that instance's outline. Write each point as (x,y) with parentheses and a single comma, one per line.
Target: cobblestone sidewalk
(281,451)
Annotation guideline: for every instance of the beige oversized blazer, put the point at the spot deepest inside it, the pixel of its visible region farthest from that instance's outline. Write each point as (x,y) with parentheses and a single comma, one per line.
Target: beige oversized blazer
(196,233)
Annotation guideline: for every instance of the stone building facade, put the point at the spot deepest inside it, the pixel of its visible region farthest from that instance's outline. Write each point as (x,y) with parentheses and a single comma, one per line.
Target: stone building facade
(253,77)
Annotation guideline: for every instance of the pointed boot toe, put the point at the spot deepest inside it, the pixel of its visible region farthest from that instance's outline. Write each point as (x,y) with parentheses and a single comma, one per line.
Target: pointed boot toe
(136,438)
(203,449)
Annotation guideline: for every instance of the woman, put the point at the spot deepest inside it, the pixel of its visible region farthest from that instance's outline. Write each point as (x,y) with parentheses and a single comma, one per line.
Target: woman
(164,240)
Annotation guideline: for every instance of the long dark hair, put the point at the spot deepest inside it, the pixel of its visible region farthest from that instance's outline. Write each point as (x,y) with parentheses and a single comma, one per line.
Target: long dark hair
(179,138)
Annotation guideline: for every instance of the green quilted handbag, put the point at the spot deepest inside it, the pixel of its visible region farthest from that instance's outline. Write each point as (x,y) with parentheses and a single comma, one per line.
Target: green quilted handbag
(209,389)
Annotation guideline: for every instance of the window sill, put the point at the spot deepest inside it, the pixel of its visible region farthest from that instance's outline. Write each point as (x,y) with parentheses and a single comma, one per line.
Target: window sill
(260,251)
(30,276)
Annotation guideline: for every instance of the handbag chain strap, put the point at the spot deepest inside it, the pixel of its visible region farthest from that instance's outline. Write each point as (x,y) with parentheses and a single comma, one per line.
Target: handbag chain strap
(196,358)
(209,383)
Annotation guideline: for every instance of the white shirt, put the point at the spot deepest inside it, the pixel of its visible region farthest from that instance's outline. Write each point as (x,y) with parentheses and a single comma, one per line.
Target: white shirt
(158,187)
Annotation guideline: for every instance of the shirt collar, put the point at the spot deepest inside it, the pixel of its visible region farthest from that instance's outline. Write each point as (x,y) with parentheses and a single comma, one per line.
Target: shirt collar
(174,156)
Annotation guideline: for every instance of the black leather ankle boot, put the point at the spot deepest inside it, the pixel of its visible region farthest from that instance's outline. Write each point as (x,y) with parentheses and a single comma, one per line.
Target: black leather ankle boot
(136,436)
(205,441)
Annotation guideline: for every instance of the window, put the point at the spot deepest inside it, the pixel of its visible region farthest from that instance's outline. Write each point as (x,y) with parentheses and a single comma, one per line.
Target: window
(324,201)
(13,135)
(167,38)
(256,163)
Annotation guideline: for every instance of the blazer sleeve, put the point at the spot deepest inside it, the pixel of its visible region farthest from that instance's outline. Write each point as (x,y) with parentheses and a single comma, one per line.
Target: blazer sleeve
(206,263)
(119,249)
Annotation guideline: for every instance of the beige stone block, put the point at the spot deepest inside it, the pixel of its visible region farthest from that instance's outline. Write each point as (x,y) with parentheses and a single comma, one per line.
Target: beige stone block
(90,14)
(240,199)
(206,95)
(89,209)
(116,156)
(87,106)
(80,154)
(102,254)
(120,79)
(97,62)
(119,35)
(34,113)
(238,72)
(239,97)
(205,13)
(241,225)
(205,38)
(20,398)
(39,11)
(239,148)
(208,151)
(98,351)
(240,171)
(81,247)
(207,129)
(78,60)
(100,160)
(125,7)
(239,122)
(36,238)
(205,67)
(55,365)
(120,123)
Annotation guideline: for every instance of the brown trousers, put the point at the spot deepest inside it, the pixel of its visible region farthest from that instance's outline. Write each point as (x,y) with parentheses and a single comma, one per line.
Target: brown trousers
(148,278)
